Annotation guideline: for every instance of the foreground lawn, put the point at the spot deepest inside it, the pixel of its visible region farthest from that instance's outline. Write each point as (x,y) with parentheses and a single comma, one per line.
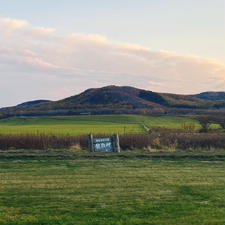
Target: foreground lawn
(49,191)
(77,125)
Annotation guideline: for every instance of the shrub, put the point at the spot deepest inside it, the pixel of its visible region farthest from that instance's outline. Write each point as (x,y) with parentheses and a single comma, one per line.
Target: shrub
(41,141)
(204,121)
(188,126)
(161,140)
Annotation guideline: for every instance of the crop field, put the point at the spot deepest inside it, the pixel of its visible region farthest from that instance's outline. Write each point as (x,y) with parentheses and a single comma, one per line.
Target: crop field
(111,191)
(96,124)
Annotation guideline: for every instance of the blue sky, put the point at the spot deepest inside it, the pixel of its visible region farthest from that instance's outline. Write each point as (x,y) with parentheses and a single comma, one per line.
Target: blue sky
(164,40)
(184,26)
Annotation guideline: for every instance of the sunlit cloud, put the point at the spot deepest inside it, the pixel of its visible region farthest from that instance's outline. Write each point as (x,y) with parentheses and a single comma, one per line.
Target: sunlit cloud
(74,62)
(39,31)
(87,38)
(8,25)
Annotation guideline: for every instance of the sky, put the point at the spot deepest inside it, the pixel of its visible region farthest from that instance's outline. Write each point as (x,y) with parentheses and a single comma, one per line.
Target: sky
(52,49)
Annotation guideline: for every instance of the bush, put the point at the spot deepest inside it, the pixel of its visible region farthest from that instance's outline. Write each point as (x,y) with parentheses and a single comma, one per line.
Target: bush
(171,141)
(161,140)
(41,141)
(204,122)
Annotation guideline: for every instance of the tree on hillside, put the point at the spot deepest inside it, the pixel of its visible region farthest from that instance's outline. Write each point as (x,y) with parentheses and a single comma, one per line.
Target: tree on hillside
(219,119)
(204,121)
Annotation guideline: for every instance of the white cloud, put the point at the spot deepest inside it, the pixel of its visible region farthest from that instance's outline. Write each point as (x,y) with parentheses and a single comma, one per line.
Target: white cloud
(75,62)
(41,31)
(79,37)
(8,25)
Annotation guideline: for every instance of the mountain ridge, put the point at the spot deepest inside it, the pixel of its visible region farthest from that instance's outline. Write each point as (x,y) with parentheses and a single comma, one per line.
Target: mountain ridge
(119,99)
(211,95)
(34,102)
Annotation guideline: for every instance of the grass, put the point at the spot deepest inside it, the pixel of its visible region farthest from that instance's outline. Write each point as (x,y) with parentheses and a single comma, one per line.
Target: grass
(74,129)
(78,125)
(111,191)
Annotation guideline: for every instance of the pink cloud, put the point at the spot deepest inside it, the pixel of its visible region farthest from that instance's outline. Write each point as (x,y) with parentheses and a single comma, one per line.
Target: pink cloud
(80,61)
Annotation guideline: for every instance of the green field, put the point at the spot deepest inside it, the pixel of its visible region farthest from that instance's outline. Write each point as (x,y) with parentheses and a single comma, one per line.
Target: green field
(77,125)
(116,191)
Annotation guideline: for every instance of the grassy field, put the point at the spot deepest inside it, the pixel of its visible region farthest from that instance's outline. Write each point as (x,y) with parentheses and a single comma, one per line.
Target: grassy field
(47,191)
(77,125)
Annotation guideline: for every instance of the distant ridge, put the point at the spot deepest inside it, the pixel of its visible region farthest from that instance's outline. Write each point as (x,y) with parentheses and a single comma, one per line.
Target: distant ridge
(31,103)
(211,95)
(120,99)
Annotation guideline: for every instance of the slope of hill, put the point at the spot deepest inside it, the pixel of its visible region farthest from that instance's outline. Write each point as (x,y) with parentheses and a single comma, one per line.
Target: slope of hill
(31,103)
(115,99)
(210,95)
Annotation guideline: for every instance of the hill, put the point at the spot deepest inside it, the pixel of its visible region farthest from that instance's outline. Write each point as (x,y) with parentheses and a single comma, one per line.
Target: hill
(210,95)
(116,99)
(31,103)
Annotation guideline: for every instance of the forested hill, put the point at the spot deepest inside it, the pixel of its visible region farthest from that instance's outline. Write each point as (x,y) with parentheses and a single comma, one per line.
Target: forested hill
(116,99)
(31,103)
(211,95)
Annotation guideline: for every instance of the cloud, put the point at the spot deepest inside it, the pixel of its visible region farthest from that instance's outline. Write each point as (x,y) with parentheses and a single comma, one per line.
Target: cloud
(41,31)
(74,62)
(88,38)
(8,25)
